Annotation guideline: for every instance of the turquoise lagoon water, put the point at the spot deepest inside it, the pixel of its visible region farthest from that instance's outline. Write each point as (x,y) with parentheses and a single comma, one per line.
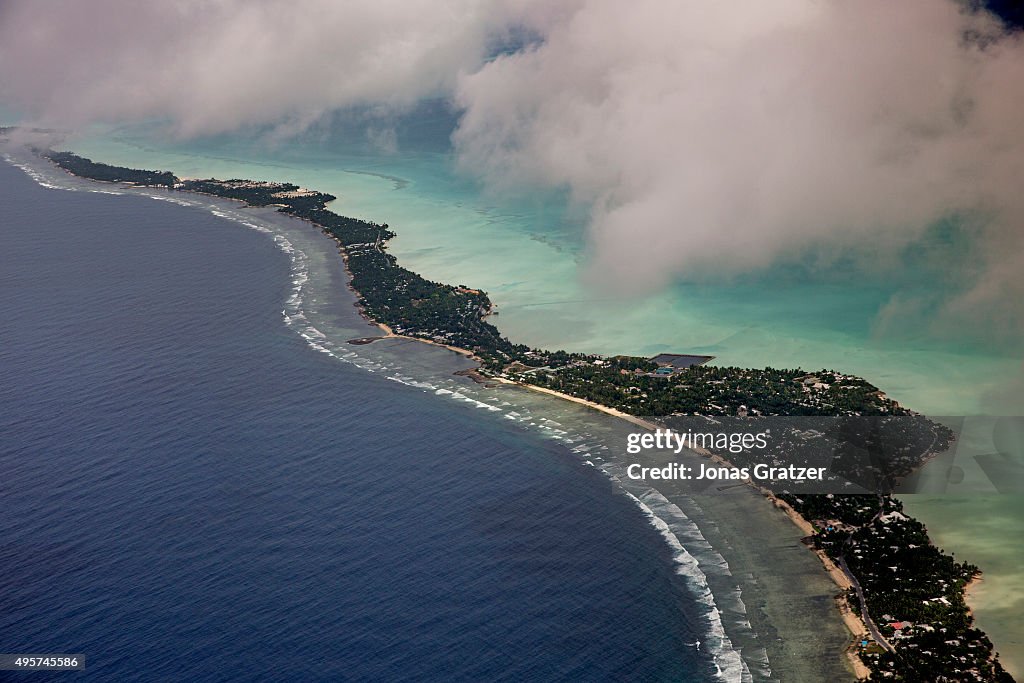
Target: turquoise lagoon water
(529,252)
(762,606)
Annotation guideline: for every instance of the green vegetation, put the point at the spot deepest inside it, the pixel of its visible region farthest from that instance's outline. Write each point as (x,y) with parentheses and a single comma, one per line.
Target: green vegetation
(115,174)
(905,579)
(388,293)
(913,592)
(628,385)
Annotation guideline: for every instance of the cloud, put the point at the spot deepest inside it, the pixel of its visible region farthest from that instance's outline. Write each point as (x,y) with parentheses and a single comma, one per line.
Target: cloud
(710,140)
(215,66)
(703,139)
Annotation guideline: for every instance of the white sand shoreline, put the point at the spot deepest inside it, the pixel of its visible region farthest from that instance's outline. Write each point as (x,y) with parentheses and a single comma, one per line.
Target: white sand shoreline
(849,619)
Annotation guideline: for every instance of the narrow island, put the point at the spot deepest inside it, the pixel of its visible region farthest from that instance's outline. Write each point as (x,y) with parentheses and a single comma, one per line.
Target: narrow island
(902,597)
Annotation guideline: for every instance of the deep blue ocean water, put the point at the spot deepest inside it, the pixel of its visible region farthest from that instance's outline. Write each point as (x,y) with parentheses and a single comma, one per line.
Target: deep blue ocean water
(189,491)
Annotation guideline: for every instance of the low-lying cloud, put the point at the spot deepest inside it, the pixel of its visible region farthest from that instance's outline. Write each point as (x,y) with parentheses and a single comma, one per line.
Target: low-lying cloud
(708,140)
(210,67)
(704,139)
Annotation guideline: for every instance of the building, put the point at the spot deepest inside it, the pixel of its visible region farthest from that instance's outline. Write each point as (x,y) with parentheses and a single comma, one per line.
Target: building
(679,361)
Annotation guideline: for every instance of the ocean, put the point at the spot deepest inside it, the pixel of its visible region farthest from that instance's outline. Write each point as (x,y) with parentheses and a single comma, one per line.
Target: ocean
(451,230)
(202,479)
(191,491)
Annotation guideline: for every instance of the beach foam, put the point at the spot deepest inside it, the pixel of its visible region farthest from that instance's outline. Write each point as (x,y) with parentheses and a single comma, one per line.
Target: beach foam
(679,532)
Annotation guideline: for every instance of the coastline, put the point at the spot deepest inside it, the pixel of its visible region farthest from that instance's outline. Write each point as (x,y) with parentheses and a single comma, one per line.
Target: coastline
(639,421)
(973,588)
(362,487)
(853,623)
(388,332)
(850,621)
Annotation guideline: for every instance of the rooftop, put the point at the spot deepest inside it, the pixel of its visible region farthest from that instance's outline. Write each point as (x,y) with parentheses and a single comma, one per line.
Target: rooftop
(679,360)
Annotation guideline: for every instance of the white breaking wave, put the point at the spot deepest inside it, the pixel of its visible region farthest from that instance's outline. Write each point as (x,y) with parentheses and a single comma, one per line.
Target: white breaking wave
(728,662)
(730,665)
(172,200)
(35,175)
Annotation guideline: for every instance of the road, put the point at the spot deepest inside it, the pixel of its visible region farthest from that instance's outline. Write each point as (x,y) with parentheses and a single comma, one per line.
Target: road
(868,621)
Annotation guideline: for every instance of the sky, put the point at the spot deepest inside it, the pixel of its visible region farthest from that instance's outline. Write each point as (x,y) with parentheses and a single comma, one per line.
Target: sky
(703,140)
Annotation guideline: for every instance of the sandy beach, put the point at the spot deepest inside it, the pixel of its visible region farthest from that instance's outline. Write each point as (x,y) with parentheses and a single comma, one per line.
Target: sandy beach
(640,422)
(853,623)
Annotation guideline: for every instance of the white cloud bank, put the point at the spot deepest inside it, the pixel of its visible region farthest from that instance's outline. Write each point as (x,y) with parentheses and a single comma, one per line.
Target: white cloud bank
(215,66)
(708,139)
(705,138)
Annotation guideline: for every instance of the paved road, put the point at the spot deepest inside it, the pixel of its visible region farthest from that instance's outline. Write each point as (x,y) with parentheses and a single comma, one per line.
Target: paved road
(868,621)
